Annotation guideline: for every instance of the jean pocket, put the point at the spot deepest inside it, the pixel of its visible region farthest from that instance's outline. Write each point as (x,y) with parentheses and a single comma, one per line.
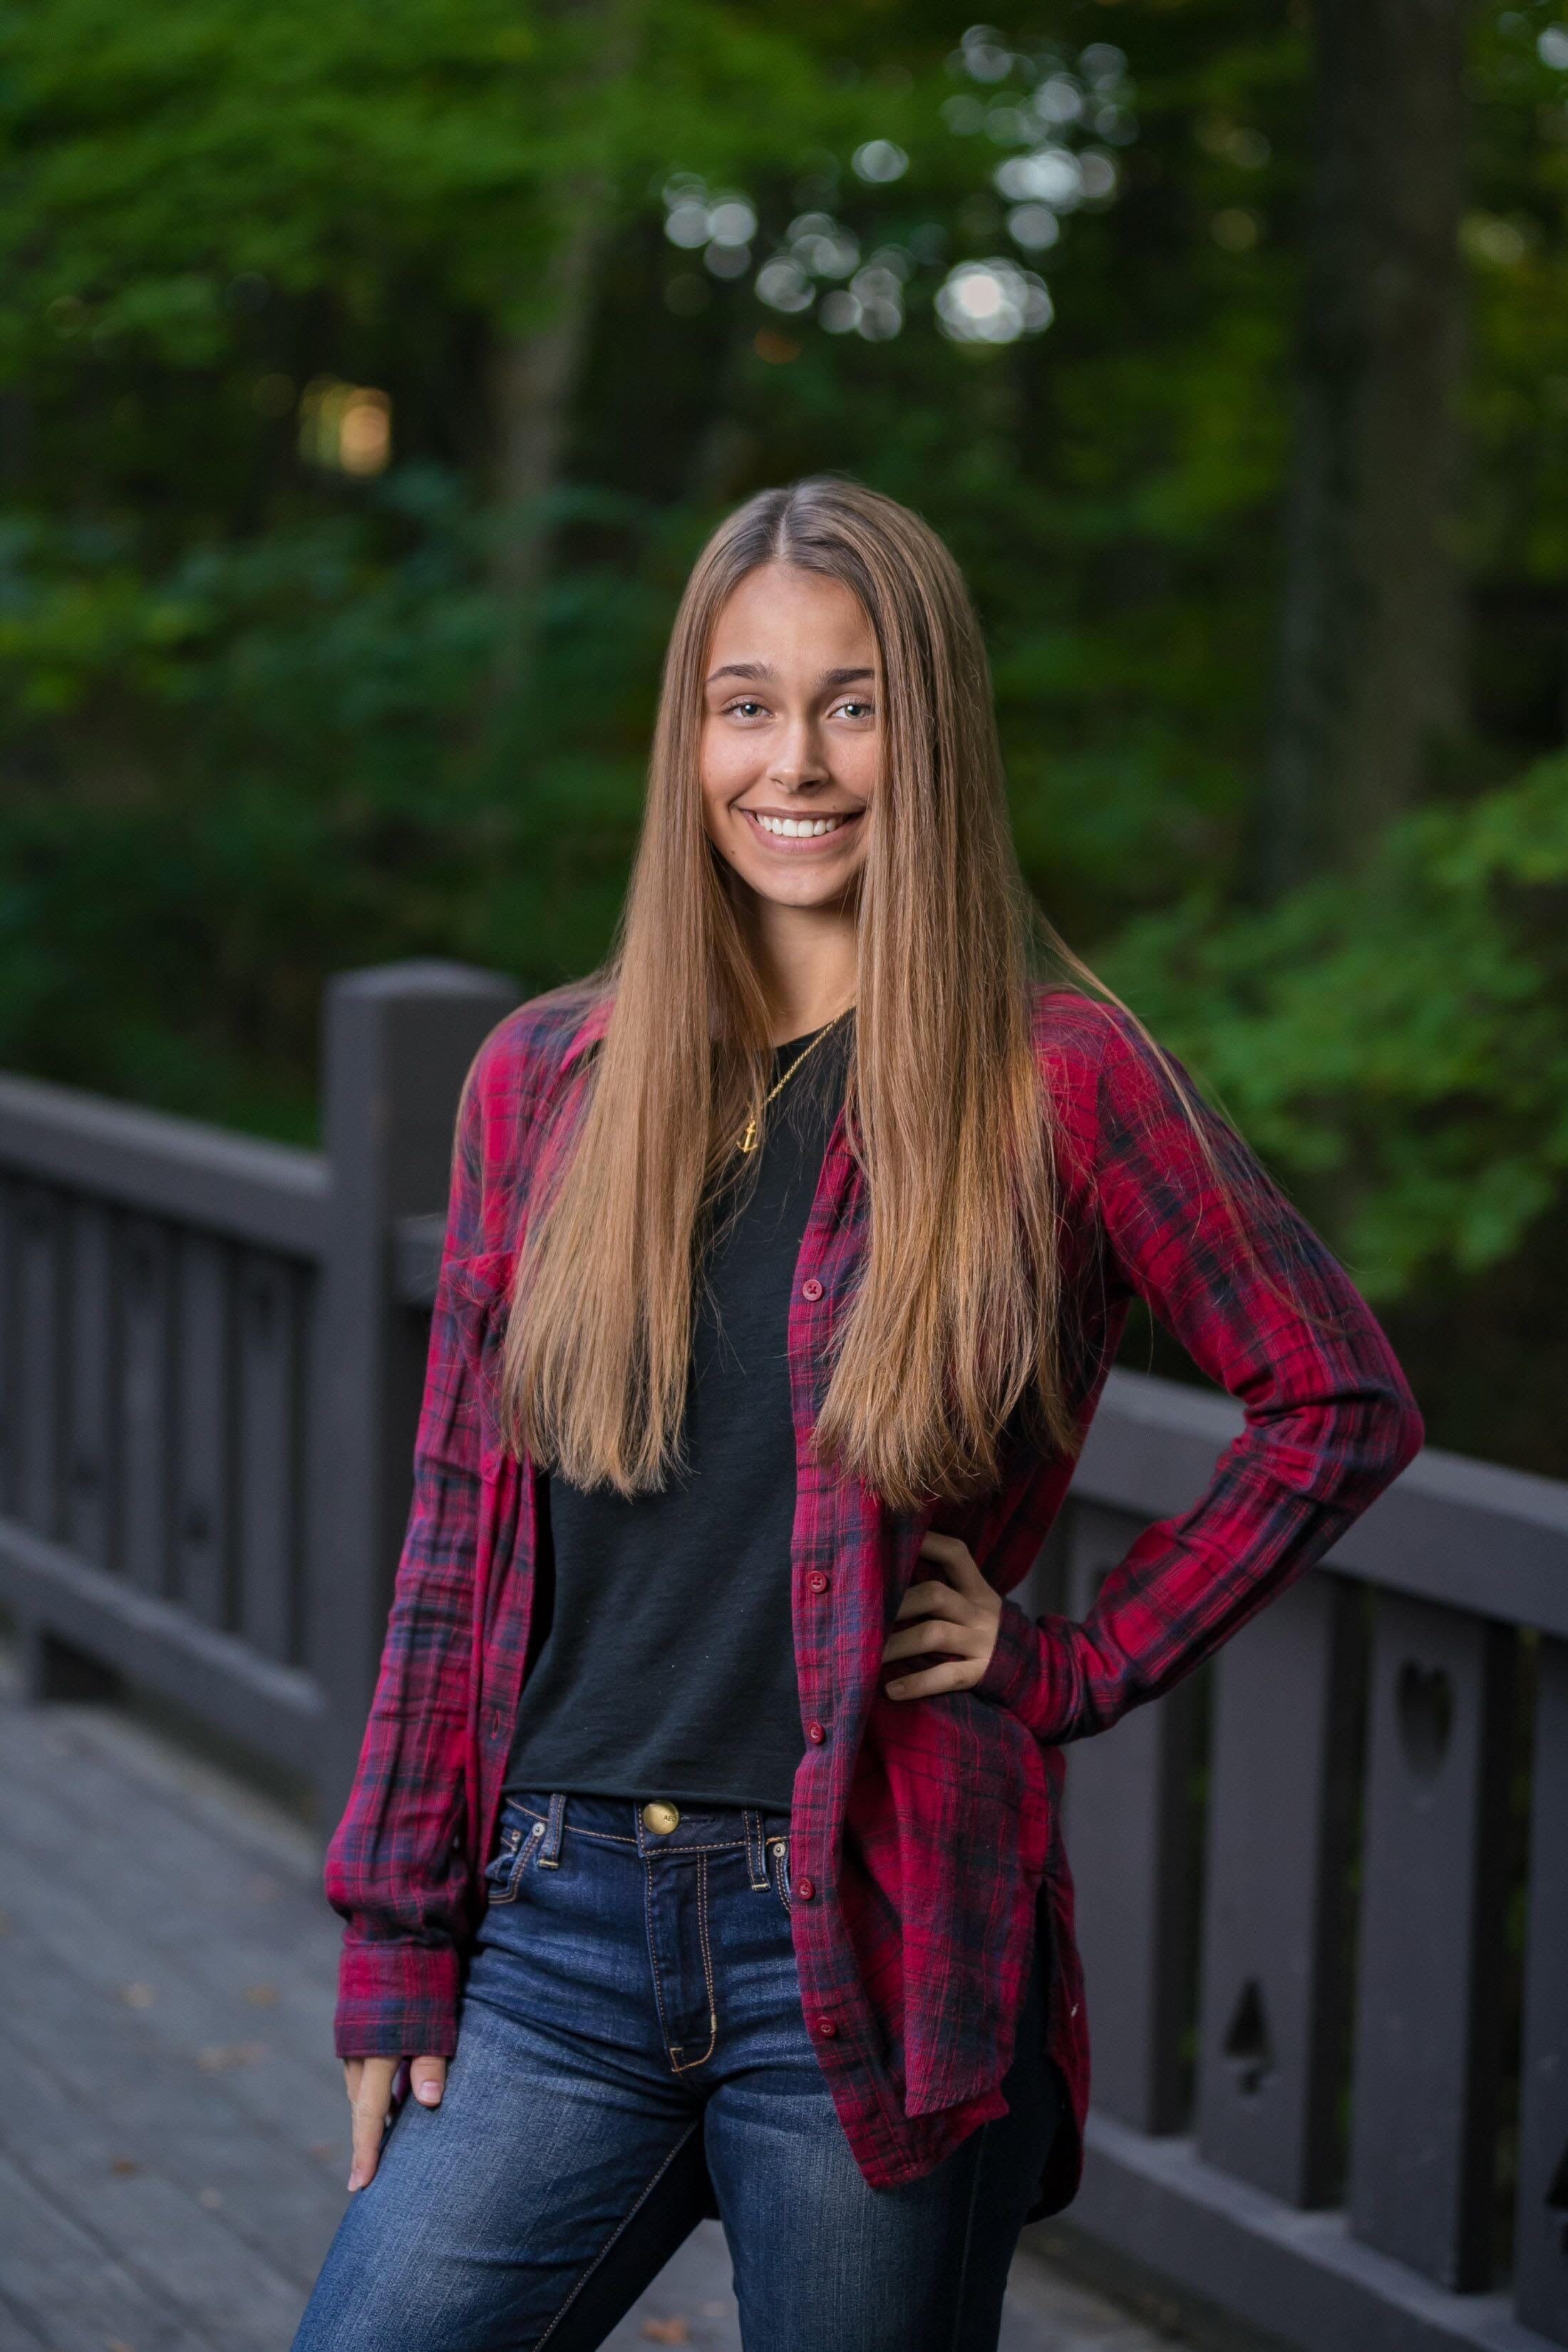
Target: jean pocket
(778,1870)
(503,1873)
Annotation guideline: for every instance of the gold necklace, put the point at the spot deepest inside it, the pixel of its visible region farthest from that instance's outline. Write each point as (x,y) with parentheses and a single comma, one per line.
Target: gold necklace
(747,1141)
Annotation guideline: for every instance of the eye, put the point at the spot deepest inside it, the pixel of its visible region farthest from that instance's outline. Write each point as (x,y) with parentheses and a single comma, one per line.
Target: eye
(743,709)
(855,711)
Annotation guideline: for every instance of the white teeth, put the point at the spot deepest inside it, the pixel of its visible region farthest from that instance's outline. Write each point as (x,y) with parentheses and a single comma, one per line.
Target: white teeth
(800,828)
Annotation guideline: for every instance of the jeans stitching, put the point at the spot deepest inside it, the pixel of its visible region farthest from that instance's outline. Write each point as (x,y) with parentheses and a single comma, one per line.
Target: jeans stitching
(522,1856)
(668,1845)
(690,2064)
(570,1829)
(653,1957)
(555,1827)
(622,2226)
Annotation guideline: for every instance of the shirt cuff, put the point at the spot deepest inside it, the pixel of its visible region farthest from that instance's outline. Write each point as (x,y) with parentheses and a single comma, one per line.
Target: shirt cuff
(397,2000)
(1030,1672)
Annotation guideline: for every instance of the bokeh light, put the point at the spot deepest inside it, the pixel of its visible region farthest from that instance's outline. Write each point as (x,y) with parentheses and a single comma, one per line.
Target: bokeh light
(879,160)
(823,245)
(1034,226)
(784,285)
(1051,175)
(346,428)
(992,302)
(983,55)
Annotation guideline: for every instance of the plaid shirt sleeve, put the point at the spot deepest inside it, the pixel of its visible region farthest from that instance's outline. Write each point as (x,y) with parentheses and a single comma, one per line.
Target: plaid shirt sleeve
(1263,1308)
(396,1867)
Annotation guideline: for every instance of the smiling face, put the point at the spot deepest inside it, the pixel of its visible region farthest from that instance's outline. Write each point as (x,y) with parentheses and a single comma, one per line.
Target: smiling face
(791,736)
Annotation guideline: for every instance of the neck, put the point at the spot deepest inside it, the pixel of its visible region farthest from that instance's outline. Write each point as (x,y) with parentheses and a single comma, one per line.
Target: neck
(806,959)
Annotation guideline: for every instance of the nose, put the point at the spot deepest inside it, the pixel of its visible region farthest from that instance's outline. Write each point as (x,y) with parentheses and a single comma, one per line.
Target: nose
(798,763)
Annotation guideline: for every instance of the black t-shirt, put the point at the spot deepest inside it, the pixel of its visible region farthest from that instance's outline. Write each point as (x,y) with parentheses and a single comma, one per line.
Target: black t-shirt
(668,1669)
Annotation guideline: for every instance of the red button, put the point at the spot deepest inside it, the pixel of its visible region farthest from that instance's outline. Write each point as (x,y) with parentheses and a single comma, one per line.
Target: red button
(806,1888)
(814,1732)
(818,1581)
(811,1289)
(825,2029)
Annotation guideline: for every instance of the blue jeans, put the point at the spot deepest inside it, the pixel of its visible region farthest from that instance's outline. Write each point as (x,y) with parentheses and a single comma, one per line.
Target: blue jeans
(632,2031)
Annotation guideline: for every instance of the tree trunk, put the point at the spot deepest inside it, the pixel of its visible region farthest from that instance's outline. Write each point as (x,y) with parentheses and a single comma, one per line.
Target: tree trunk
(533,372)
(532,377)
(1370,689)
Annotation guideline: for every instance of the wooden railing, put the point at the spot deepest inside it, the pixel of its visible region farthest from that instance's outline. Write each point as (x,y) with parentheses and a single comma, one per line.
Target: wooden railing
(1324,1900)
(210,1357)
(1324,1888)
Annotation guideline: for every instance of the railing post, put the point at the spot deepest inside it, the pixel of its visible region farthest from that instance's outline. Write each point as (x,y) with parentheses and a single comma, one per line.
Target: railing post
(1129,1839)
(1541,2248)
(1429,1989)
(399,1043)
(1275,2005)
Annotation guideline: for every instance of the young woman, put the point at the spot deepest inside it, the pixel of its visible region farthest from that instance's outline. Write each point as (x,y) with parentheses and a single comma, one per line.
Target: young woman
(708,1819)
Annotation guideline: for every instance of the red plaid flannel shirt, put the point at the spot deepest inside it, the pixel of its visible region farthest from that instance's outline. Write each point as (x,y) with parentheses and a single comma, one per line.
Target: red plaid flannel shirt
(923,1833)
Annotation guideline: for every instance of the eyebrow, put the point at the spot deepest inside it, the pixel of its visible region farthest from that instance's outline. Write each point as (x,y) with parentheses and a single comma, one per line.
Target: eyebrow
(765,670)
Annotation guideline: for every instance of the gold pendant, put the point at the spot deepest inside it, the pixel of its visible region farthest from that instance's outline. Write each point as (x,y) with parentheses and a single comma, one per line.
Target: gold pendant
(748,1141)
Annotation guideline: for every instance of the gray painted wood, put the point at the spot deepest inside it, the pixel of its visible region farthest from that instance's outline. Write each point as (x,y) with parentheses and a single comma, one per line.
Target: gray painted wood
(1129,1831)
(1275,2003)
(159,1645)
(39,1336)
(228,2292)
(10,1451)
(270,1193)
(416,1260)
(1429,2009)
(1302,2277)
(90,1467)
(65,2284)
(1465,1533)
(1541,2250)
(146,1397)
(201,1469)
(269,1451)
(399,1042)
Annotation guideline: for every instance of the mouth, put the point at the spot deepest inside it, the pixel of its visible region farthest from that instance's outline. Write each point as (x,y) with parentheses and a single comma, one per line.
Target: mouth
(821,825)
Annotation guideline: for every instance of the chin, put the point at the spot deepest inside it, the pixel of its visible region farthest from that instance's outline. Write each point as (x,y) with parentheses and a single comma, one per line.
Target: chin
(802,889)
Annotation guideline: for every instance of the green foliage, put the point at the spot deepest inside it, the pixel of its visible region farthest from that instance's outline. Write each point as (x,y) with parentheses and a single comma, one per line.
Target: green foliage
(1398,1043)
(250,728)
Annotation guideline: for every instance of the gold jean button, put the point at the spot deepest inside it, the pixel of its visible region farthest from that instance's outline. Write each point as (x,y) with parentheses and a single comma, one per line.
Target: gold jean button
(660,1819)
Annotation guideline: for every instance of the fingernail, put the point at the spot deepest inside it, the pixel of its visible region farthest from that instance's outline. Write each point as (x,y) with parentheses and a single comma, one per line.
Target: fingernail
(429,2093)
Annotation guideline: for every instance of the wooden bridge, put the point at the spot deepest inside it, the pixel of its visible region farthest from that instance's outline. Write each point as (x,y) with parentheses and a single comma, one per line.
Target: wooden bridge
(1323,1887)
(172,2128)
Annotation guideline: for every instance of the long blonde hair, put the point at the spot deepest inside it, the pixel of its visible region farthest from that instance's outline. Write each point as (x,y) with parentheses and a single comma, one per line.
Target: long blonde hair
(954,1326)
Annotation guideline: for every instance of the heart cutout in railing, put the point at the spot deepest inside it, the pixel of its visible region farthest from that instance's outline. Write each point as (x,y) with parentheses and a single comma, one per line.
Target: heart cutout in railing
(1425,1702)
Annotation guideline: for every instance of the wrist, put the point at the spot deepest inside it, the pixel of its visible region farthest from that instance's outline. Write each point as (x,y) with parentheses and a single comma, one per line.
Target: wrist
(1028,1673)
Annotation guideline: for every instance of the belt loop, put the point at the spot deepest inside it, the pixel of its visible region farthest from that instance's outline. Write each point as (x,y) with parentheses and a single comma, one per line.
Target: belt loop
(550,1851)
(756,1853)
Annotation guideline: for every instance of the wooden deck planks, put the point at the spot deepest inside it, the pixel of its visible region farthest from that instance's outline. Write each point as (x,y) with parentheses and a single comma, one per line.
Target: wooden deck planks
(173,2139)
(66,2287)
(174,2133)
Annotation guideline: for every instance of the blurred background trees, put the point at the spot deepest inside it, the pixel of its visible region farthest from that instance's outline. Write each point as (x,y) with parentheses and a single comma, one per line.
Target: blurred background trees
(369,376)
